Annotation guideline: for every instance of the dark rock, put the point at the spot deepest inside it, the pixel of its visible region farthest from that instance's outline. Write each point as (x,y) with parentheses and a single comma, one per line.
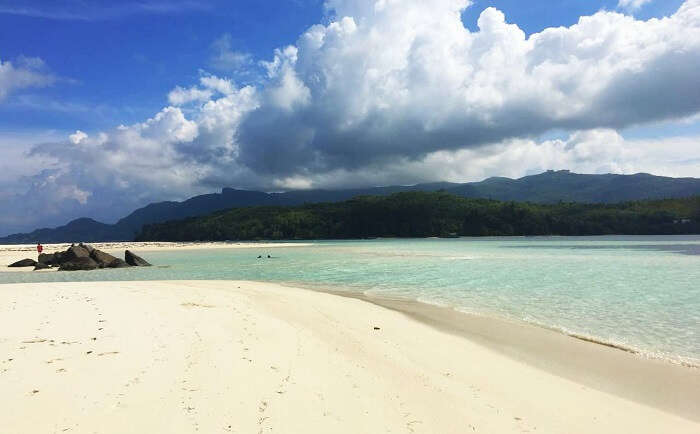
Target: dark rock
(75,252)
(135,260)
(47,258)
(87,247)
(41,266)
(104,260)
(119,263)
(79,263)
(24,263)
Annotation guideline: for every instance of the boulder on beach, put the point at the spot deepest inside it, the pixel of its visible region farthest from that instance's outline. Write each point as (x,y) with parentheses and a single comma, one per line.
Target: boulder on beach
(105,260)
(87,247)
(47,258)
(119,263)
(24,263)
(79,263)
(75,252)
(135,260)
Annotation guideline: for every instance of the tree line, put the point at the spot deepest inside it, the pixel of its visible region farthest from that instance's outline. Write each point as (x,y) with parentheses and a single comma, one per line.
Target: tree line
(431,214)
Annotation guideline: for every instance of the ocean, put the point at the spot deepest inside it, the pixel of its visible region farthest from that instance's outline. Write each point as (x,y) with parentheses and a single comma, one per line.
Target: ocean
(641,293)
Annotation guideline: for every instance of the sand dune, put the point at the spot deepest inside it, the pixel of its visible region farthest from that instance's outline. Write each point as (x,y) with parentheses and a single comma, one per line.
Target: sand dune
(183,357)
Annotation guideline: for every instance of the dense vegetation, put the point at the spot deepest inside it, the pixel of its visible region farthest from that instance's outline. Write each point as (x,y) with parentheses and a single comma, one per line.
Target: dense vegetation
(425,214)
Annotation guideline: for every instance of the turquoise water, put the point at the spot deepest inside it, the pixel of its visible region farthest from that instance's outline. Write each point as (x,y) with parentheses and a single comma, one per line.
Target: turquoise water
(642,293)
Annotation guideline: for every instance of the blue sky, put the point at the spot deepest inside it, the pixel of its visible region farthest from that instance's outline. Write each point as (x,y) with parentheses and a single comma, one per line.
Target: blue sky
(307,93)
(118,67)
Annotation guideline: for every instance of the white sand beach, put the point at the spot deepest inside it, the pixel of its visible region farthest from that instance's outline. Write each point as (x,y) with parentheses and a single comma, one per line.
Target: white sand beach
(204,356)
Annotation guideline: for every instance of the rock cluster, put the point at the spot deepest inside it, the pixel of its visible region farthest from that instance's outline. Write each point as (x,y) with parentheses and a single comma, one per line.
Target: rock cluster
(82,257)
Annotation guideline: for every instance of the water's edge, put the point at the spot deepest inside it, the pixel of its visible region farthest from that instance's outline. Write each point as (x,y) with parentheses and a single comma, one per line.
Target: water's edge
(434,310)
(659,383)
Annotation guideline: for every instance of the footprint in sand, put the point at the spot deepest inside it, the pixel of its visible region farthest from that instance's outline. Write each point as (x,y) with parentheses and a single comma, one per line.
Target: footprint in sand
(34,341)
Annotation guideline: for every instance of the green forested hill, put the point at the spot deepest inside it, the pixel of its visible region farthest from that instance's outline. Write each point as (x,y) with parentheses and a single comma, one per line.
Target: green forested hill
(425,214)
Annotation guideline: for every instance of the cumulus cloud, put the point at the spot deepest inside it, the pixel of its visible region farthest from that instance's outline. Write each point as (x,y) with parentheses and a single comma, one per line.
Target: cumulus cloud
(25,72)
(405,78)
(399,91)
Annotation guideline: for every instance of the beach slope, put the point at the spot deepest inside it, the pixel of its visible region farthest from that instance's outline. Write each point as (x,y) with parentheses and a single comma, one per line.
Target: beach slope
(181,357)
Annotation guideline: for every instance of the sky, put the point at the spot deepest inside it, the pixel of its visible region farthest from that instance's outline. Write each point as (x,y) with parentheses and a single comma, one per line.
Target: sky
(107,106)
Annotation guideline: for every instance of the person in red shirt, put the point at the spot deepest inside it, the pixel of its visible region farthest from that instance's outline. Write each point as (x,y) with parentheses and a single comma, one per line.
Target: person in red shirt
(39,248)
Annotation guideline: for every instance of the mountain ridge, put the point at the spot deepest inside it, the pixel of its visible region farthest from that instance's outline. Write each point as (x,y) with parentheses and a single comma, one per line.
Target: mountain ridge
(547,187)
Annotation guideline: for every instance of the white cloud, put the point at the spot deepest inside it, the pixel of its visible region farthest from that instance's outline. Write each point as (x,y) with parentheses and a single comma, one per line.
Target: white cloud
(77,137)
(632,5)
(181,96)
(25,72)
(388,79)
(399,91)
(210,86)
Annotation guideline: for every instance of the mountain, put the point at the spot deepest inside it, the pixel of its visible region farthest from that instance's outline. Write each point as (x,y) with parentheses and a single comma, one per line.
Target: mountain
(83,230)
(565,186)
(431,214)
(547,187)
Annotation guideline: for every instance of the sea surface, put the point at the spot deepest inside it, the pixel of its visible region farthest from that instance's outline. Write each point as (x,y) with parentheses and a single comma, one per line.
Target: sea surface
(641,293)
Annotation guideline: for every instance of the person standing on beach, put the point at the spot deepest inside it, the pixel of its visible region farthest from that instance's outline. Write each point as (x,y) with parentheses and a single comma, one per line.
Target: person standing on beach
(39,248)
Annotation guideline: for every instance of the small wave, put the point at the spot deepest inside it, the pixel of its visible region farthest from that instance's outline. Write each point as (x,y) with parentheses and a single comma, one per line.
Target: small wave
(432,302)
(675,359)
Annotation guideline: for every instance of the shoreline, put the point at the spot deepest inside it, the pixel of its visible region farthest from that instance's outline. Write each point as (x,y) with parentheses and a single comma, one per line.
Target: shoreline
(399,303)
(240,356)
(660,383)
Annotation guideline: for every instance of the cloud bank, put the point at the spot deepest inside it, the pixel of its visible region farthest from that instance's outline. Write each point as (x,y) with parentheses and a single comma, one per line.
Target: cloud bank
(399,91)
